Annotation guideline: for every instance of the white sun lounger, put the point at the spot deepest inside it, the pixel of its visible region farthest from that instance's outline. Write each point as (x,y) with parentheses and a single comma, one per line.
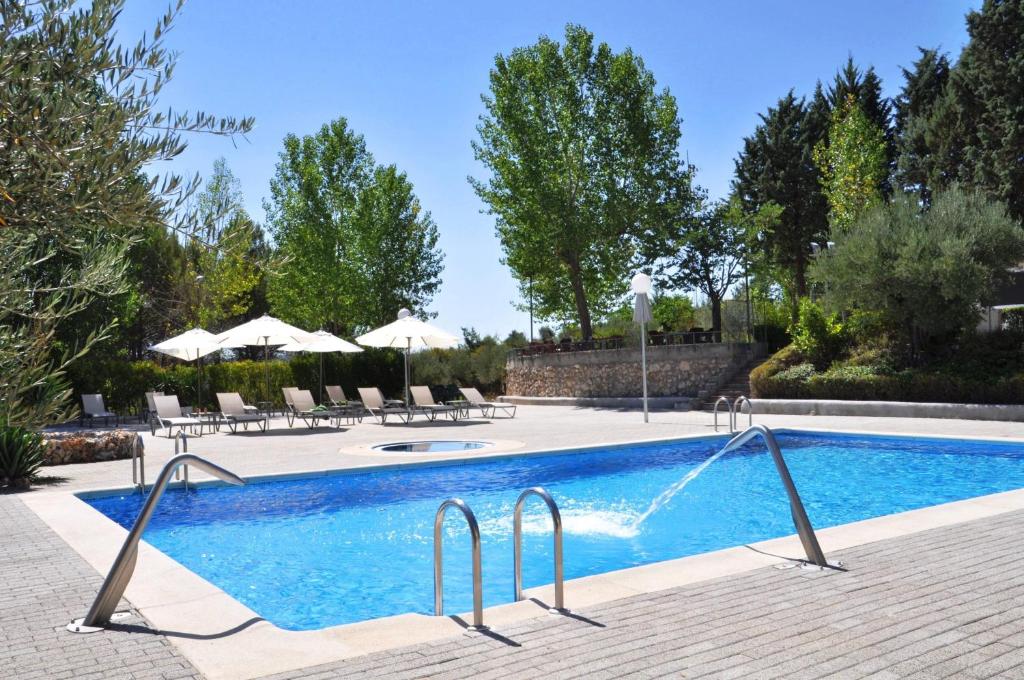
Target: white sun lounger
(93,408)
(301,405)
(476,400)
(424,401)
(150,404)
(374,403)
(233,409)
(168,415)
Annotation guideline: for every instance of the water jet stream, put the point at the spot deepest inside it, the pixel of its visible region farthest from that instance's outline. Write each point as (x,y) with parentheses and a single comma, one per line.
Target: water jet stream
(667,495)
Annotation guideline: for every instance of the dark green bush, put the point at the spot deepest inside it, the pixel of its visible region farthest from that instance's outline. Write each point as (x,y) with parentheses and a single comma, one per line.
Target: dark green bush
(786,376)
(445,370)
(1013,320)
(819,337)
(21,456)
(760,377)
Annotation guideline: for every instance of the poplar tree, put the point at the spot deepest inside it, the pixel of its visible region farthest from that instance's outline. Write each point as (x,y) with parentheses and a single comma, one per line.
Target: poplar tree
(585,174)
(865,87)
(353,241)
(852,164)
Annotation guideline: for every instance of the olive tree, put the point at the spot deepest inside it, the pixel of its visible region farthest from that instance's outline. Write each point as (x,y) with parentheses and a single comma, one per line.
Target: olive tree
(926,273)
(79,133)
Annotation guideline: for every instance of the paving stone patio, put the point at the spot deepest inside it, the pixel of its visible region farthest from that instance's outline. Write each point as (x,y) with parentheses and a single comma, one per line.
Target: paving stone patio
(942,603)
(44,585)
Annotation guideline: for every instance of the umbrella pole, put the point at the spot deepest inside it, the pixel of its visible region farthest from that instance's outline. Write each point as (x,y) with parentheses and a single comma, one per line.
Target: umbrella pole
(266,368)
(407,347)
(199,384)
(321,377)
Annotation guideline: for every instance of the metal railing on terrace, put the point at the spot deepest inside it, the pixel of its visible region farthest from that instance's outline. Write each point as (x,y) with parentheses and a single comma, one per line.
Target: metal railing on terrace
(654,339)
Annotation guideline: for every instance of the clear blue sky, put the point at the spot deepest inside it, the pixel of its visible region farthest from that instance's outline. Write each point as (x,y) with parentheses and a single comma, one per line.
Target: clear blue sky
(409,75)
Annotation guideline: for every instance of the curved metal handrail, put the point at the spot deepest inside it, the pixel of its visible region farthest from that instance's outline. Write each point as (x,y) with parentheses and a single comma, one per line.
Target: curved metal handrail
(124,565)
(517,537)
(731,418)
(796,506)
(737,411)
(183,439)
(474,532)
(139,458)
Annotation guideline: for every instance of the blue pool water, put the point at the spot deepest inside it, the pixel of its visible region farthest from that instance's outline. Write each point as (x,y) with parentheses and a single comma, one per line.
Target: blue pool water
(312,553)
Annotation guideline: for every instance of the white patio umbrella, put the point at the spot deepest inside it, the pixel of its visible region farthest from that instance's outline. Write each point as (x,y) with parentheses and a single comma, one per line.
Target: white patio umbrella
(263,332)
(322,343)
(192,345)
(406,333)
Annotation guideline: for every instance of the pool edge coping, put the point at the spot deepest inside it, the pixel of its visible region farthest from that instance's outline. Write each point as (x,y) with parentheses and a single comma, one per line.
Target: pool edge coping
(509,449)
(238,644)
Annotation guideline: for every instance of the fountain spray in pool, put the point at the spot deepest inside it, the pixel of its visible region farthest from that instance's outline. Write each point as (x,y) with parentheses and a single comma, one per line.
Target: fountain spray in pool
(617,524)
(667,495)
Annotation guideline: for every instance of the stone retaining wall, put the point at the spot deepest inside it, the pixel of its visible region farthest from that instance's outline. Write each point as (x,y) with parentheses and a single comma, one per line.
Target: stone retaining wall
(63,448)
(672,371)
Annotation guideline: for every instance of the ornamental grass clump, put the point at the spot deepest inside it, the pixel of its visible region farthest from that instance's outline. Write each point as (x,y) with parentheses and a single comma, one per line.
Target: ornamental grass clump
(21,456)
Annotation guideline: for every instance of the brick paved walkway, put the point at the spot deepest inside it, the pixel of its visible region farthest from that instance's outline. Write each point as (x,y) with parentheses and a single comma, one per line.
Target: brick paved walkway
(43,585)
(942,603)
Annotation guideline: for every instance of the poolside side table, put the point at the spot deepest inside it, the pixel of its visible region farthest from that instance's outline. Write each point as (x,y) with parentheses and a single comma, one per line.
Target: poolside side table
(349,413)
(265,407)
(460,404)
(211,419)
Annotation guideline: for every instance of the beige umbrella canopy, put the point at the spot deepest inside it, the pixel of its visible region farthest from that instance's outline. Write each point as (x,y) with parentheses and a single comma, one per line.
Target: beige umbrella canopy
(264,332)
(407,333)
(322,343)
(192,345)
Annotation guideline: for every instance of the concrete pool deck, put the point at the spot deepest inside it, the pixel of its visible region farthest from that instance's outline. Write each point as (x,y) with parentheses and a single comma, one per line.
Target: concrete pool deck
(221,639)
(534,428)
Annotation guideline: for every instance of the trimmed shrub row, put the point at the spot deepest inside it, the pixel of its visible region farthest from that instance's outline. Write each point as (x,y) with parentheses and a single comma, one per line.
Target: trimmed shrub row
(786,376)
(123,384)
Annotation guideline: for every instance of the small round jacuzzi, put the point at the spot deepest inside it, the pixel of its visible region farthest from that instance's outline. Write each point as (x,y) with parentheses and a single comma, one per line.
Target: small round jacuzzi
(430,447)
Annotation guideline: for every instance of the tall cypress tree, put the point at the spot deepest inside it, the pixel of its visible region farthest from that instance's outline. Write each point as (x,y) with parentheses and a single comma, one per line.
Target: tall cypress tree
(923,87)
(976,134)
(775,167)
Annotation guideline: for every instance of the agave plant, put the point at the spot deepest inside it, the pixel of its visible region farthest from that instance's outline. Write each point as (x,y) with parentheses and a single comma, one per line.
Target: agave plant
(21,456)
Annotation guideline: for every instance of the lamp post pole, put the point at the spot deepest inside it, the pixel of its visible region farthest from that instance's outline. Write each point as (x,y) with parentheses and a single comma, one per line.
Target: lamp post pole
(641,285)
(531,307)
(643,363)
(199,360)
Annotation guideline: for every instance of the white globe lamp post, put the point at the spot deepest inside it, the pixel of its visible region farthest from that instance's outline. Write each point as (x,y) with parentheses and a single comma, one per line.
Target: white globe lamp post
(641,286)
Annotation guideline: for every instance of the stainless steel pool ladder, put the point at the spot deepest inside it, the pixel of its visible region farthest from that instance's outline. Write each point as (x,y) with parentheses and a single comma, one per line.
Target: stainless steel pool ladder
(139,465)
(181,438)
(124,565)
(803,525)
(729,405)
(517,537)
(737,411)
(474,533)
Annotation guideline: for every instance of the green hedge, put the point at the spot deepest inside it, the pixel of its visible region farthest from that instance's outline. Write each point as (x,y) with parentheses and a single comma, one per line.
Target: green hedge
(785,375)
(123,384)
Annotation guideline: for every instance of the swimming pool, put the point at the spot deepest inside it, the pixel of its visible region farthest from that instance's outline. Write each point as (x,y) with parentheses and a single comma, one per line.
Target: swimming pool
(316,552)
